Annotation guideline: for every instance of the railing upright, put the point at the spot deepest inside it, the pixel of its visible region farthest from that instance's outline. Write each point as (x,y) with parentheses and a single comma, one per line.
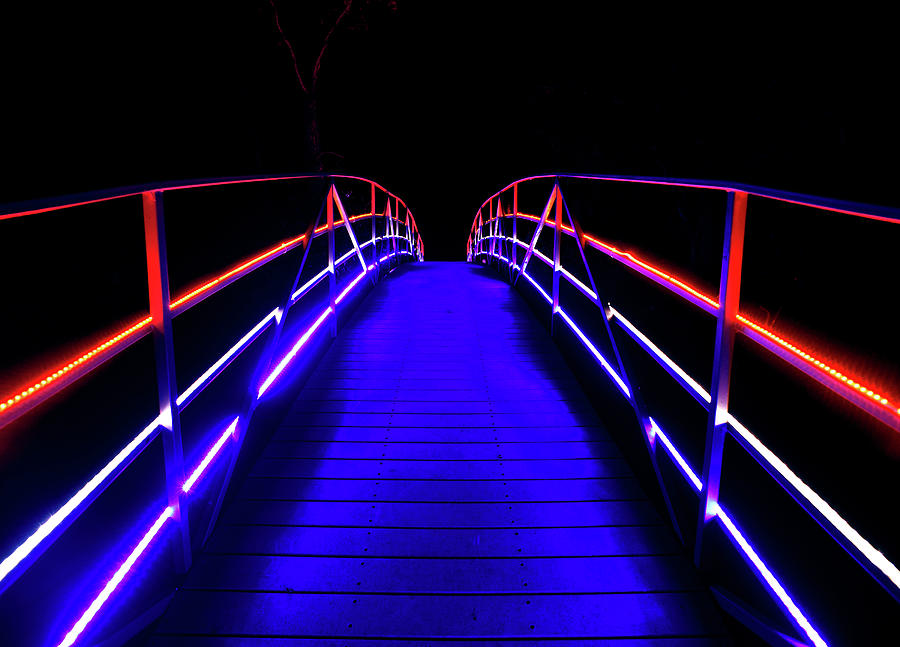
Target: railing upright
(167,386)
(726,326)
(374,236)
(332,278)
(514,248)
(557,266)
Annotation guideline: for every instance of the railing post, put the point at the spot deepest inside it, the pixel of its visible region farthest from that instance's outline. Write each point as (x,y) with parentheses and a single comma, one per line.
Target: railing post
(515,233)
(164,350)
(374,237)
(726,325)
(557,266)
(332,279)
(492,240)
(396,248)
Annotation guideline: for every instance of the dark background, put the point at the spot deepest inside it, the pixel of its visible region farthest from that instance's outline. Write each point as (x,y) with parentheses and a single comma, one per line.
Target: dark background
(446,102)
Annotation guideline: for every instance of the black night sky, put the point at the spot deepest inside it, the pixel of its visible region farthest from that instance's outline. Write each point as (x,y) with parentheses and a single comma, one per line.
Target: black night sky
(446,102)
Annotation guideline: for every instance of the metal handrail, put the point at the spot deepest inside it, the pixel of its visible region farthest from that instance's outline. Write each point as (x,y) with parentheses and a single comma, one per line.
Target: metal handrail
(401,238)
(488,238)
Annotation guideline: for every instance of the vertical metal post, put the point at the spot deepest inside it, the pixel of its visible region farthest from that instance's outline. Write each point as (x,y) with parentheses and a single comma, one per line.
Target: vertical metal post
(726,325)
(491,240)
(396,248)
(170,420)
(557,235)
(332,279)
(515,240)
(374,236)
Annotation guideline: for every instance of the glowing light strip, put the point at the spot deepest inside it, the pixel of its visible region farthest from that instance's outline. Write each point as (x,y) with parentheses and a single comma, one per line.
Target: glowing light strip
(347,289)
(20,553)
(769,577)
(578,284)
(290,355)
(127,332)
(309,285)
(655,431)
(63,370)
(654,349)
(823,367)
(46,528)
(875,556)
(321,228)
(538,253)
(187,396)
(742,543)
(116,579)
(536,286)
(628,258)
(284,246)
(584,340)
(596,353)
(345,257)
(210,455)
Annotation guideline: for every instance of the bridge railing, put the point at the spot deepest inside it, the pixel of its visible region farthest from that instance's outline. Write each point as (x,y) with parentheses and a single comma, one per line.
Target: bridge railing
(504,235)
(375,240)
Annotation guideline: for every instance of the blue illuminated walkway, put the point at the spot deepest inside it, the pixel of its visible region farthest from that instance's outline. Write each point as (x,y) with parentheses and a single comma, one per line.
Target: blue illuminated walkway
(441,476)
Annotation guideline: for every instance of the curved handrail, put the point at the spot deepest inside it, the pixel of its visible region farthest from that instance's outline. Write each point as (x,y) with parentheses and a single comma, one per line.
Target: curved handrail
(41,387)
(863,210)
(400,238)
(490,238)
(45,205)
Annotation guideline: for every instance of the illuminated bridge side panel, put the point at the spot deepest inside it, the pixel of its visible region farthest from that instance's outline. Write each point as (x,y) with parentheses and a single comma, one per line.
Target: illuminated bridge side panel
(441,476)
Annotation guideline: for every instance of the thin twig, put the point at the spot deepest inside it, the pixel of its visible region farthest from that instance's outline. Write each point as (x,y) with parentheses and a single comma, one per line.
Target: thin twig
(291,49)
(315,77)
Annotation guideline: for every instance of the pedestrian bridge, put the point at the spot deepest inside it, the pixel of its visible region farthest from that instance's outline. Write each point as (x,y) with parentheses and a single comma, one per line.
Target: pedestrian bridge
(363,447)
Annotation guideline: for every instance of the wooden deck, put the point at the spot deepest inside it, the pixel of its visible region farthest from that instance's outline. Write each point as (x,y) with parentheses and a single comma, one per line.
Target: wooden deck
(441,479)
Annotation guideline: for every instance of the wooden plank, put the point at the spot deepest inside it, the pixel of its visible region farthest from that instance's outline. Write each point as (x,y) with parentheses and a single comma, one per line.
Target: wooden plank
(424,617)
(440,419)
(443,575)
(486,406)
(317,394)
(462,470)
(452,542)
(473,451)
(530,514)
(442,434)
(260,641)
(314,489)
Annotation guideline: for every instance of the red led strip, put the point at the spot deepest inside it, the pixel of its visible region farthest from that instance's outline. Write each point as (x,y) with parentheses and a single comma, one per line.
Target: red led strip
(823,367)
(13,400)
(236,270)
(63,370)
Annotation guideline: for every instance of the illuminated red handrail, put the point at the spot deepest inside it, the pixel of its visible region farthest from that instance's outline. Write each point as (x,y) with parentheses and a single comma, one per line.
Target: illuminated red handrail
(490,239)
(870,398)
(39,388)
(46,205)
(401,238)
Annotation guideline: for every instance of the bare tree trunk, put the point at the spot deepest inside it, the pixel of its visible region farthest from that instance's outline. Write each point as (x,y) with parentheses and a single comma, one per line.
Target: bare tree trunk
(311,91)
(315,144)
